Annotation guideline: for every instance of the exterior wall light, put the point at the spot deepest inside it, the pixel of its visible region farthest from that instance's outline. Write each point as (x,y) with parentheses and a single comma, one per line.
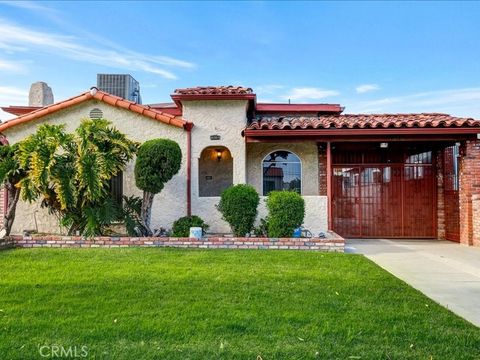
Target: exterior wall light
(219,154)
(384,145)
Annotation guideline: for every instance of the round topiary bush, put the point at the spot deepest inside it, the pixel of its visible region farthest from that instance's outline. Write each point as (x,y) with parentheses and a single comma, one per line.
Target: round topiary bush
(238,205)
(181,227)
(286,211)
(158,160)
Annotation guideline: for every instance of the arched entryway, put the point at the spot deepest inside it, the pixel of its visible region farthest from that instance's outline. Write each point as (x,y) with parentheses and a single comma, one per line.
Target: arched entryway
(215,171)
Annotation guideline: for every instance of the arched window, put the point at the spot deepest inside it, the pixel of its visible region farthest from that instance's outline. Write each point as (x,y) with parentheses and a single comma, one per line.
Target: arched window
(215,171)
(282,170)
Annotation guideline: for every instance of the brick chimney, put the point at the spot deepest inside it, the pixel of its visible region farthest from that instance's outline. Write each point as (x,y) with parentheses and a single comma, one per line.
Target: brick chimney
(40,94)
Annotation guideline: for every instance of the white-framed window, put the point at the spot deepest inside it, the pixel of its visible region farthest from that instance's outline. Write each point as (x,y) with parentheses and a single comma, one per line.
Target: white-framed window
(282,170)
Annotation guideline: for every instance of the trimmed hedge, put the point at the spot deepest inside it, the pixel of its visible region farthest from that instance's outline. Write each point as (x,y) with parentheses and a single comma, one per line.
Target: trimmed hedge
(158,160)
(238,205)
(181,227)
(286,211)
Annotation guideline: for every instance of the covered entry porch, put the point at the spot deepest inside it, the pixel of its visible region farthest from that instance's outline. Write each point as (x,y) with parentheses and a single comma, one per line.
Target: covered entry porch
(414,176)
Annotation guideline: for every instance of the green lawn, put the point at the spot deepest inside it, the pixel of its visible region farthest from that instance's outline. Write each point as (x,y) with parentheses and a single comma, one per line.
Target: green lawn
(187,304)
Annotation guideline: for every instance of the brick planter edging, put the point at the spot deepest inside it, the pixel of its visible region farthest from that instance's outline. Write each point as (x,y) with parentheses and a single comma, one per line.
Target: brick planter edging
(333,242)
(6,244)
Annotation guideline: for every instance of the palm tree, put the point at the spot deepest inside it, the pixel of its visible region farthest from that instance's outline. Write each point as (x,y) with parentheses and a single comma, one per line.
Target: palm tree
(70,173)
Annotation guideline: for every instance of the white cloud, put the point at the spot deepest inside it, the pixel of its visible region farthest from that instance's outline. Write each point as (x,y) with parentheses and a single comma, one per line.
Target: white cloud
(361,89)
(460,102)
(16,37)
(309,93)
(12,96)
(12,66)
(28,5)
(268,89)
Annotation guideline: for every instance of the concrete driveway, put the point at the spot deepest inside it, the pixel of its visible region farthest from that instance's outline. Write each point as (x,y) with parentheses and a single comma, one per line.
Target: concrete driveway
(447,272)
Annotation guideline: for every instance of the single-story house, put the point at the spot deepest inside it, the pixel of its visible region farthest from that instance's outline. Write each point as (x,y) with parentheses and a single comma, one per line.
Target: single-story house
(363,176)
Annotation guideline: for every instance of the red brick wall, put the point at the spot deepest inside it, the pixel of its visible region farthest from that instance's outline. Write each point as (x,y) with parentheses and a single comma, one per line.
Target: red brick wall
(469,186)
(332,243)
(322,169)
(476,219)
(440,197)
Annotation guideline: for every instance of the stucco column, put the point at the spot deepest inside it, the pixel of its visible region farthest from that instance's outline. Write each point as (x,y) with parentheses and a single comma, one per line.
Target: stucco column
(217,123)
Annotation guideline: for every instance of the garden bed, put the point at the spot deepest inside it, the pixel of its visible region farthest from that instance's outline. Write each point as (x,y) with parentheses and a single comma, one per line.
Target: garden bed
(332,242)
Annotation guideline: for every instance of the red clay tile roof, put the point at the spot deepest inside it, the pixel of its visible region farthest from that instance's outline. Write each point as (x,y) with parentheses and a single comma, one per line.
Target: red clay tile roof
(101,96)
(361,121)
(214,90)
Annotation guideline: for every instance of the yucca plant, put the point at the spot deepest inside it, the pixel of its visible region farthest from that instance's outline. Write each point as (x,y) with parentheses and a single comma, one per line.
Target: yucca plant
(70,173)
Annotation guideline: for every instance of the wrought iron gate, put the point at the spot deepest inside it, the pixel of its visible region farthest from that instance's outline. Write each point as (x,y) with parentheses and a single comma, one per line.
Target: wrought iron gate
(385,200)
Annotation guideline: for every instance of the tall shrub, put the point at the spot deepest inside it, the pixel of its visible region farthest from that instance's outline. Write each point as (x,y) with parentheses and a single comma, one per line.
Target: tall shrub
(70,172)
(238,205)
(158,160)
(286,211)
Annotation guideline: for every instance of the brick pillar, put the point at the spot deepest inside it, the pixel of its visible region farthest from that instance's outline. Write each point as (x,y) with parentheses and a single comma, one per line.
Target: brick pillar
(476,219)
(322,169)
(469,187)
(440,197)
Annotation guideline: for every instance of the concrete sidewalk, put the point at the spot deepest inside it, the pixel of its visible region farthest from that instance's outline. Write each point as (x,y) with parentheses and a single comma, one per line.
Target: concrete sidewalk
(446,272)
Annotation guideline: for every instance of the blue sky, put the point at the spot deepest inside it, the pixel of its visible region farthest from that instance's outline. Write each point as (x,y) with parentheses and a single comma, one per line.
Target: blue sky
(371,57)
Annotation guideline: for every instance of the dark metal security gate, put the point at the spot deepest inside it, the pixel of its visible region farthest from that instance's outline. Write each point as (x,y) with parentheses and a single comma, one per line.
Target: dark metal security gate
(384,199)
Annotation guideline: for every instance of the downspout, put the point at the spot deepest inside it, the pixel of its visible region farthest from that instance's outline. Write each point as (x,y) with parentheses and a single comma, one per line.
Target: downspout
(188,128)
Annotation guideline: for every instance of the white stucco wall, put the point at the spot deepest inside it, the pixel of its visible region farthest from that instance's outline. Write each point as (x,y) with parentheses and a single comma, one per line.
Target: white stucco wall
(226,118)
(306,151)
(316,211)
(168,206)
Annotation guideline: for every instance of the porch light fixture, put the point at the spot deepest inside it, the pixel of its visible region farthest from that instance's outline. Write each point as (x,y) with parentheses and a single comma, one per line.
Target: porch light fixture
(219,154)
(384,145)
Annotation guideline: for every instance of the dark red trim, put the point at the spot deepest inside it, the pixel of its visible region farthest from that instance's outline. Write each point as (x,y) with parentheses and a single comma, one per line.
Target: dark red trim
(178,98)
(329,184)
(365,131)
(172,111)
(189,169)
(270,107)
(20,110)
(356,139)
